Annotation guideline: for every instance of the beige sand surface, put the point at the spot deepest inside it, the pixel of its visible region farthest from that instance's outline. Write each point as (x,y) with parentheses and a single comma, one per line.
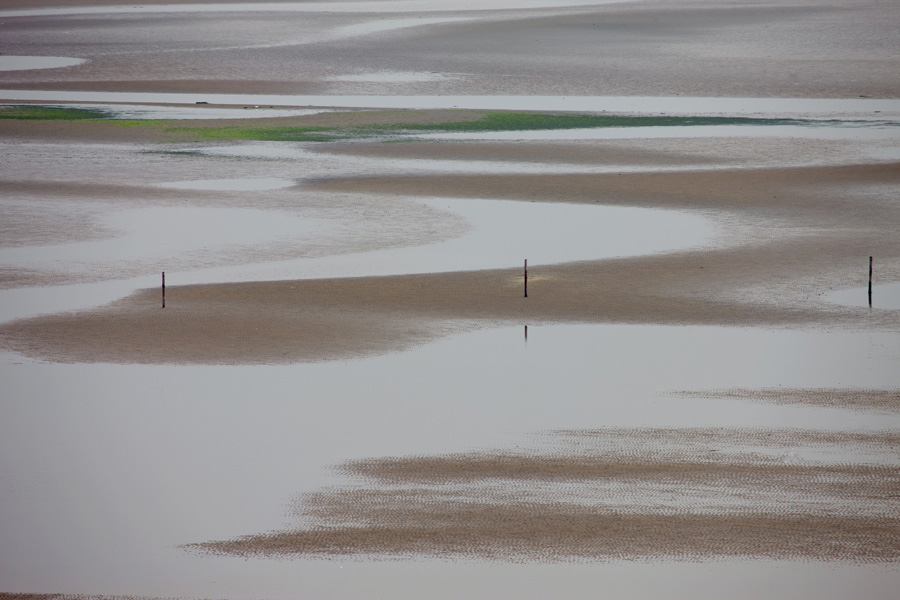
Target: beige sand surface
(687,494)
(790,235)
(801,48)
(785,237)
(883,401)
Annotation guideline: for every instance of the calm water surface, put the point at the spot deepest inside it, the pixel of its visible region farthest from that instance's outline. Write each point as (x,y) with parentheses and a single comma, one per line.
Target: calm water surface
(107,469)
(672,105)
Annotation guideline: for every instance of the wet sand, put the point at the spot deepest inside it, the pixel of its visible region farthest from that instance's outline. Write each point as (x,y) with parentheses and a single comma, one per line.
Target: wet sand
(790,236)
(794,220)
(883,401)
(608,494)
(805,48)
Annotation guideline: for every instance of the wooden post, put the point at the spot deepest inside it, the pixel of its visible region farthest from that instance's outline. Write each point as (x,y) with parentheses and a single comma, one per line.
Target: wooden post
(164,289)
(526,277)
(526,333)
(870,282)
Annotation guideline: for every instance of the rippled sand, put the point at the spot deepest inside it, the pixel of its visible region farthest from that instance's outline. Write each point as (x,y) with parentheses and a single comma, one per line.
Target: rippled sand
(612,494)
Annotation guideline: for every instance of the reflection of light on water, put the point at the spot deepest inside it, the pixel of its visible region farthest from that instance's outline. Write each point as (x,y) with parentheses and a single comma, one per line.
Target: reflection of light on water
(874,131)
(389,77)
(25,63)
(671,105)
(338,6)
(130,111)
(391,25)
(246,184)
(884,296)
(502,234)
(179,454)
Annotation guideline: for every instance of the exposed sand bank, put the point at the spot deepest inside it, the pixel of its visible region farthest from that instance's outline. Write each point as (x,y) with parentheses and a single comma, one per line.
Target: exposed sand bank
(608,494)
(883,401)
(107,469)
(804,48)
(790,235)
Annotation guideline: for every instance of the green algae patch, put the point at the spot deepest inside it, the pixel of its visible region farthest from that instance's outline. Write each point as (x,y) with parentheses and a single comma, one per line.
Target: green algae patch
(495,121)
(269,134)
(401,125)
(28,112)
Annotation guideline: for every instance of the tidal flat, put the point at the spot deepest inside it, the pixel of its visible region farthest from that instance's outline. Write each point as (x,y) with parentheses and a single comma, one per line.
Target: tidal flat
(357,386)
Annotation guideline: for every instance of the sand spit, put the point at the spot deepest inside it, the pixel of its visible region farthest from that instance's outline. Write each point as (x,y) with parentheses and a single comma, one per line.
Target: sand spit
(291,321)
(788,237)
(881,401)
(662,494)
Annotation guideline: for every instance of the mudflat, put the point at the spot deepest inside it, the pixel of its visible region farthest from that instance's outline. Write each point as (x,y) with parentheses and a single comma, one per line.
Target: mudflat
(789,235)
(794,213)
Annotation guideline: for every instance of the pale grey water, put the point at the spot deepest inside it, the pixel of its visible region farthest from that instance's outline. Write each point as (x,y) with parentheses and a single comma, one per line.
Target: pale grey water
(501,234)
(149,112)
(25,63)
(352,6)
(673,105)
(107,469)
(885,296)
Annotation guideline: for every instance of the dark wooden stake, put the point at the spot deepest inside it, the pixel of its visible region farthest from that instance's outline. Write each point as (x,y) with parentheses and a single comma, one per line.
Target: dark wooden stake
(526,333)
(164,289)
(870,282)
(526,277)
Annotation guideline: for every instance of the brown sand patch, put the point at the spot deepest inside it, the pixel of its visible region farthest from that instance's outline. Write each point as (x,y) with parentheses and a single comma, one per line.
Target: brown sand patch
(588,504)
(812,196)
(882,401)
(544,153)
(812,231)
(547,533)
(839,49)
(313,320)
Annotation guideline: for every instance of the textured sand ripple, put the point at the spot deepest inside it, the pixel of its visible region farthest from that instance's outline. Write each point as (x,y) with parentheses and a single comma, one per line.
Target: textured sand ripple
(614,494)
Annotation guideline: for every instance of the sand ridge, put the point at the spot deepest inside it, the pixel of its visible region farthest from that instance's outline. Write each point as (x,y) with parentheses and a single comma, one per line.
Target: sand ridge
(811,230)
(608,494)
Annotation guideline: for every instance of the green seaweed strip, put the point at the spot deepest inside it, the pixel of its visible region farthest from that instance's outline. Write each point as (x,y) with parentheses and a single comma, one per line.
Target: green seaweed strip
(499,121)
(29,112)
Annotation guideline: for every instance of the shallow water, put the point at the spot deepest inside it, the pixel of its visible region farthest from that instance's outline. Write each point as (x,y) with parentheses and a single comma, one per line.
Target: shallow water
(885,296)
(501,234)
(107,469)
(390,77)
(142,112)
(24,63)
(156,232)
(339,6)
(672,105)
(255,184)
(874,131)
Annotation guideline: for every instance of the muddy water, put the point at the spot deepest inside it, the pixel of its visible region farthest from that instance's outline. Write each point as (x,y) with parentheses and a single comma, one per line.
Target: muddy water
(108,469)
